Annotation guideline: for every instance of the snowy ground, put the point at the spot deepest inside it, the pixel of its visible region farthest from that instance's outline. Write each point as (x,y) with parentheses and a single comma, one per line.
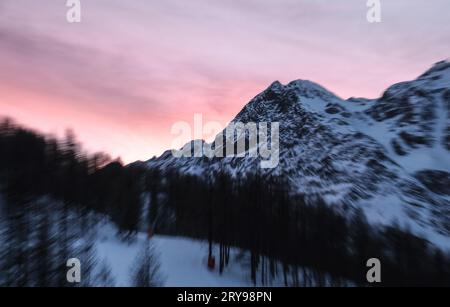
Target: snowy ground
(183,261)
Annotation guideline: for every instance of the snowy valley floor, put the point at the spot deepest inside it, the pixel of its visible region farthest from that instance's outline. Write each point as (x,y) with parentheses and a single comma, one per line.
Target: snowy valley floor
(183,261)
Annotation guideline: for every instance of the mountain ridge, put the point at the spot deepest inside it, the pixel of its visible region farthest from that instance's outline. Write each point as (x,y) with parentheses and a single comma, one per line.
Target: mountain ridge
(387,156)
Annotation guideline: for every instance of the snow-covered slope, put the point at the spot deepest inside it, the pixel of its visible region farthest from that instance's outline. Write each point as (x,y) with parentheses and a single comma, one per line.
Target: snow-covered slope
(183,261)
(389,156)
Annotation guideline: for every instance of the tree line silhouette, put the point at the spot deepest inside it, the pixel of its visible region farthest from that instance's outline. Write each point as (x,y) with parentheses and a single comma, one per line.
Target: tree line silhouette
(51,194)
(32,165)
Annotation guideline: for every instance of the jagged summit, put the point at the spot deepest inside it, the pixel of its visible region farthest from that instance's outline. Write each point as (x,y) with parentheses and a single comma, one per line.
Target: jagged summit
(304,88)
(276,86)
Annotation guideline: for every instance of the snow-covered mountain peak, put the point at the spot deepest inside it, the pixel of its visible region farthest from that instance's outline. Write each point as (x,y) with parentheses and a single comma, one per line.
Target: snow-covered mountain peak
(297,97)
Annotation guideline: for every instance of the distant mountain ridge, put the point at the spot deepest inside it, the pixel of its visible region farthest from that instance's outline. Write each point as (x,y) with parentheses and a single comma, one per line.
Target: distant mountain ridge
(388,156)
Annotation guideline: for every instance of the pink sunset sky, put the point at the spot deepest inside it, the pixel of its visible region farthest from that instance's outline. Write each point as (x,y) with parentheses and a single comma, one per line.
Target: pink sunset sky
(131,69)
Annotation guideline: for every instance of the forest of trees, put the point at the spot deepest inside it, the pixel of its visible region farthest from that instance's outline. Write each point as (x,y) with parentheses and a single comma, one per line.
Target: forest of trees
(302,241)
(50,186)
(32,165)
(51,197)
